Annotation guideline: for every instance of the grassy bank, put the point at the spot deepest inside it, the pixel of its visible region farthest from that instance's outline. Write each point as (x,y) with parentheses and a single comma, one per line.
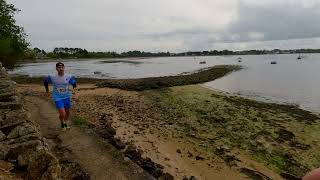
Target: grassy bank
(284,138)
(204,75)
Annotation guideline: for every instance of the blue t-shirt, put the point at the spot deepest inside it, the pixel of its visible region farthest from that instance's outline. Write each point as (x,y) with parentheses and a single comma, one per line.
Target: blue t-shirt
(60,86)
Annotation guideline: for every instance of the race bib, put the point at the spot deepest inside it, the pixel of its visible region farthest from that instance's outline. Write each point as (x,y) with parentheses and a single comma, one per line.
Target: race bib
(61,90)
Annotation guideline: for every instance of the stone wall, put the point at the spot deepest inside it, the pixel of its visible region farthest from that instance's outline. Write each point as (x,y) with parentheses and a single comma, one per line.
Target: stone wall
(24,153)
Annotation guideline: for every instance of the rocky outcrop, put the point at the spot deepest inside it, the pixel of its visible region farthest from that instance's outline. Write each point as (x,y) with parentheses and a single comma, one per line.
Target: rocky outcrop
(22,148)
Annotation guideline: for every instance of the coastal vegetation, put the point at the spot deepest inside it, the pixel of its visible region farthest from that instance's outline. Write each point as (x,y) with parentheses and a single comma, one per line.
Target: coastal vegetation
(281,137)
(13,42)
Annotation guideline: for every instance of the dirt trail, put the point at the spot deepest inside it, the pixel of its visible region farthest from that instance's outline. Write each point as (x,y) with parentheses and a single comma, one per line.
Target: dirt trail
(83,147)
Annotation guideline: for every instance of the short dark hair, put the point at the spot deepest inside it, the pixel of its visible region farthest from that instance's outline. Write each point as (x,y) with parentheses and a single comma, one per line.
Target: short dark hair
(59,64)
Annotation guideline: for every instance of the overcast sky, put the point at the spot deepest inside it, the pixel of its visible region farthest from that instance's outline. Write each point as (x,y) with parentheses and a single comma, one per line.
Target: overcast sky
(173,25)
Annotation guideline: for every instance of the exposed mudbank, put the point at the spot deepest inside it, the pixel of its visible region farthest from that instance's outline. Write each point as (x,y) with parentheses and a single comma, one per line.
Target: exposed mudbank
(201,76)
(120,61)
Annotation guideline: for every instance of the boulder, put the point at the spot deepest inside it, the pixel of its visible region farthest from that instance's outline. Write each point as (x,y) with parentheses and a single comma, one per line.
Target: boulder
(22,130)
(166,176)
(2,136)
(43,165)
(13,105)
(12,118)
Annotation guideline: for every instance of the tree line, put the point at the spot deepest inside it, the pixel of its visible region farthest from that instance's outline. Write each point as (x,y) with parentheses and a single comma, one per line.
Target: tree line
(13,42)
(65,52)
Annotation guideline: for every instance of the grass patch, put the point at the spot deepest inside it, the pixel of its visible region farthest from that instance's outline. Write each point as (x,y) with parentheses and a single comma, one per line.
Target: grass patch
(79,121)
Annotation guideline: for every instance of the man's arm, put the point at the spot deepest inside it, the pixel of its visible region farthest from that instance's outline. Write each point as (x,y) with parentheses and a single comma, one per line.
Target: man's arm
(73,82)
(46,82)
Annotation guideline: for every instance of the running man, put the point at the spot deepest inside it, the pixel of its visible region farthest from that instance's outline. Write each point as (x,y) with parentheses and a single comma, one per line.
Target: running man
(60,92)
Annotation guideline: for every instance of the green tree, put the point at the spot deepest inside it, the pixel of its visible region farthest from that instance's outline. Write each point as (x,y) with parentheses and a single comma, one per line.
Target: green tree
(12,36)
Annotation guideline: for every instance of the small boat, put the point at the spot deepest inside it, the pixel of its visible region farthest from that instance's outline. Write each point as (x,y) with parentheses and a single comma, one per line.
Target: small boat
(202,62)
(299,57)
(273,62)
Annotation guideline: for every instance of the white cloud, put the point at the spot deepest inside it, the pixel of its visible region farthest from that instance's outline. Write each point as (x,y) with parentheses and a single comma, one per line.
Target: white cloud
(160,25)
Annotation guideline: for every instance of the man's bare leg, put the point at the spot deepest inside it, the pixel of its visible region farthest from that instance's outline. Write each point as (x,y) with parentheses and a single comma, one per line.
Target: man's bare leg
(67,115)
(62,115)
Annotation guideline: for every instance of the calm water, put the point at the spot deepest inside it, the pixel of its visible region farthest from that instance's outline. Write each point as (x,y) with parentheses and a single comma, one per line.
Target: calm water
(289,81)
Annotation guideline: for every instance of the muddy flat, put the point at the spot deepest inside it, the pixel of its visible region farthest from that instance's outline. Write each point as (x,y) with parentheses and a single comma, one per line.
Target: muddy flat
(195,132)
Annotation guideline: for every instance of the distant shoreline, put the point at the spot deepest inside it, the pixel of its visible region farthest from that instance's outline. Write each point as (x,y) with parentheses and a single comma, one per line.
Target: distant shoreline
(26,61)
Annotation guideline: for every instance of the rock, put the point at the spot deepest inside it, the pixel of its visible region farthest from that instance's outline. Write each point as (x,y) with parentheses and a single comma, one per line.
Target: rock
(105,134)
(199,158)
(166,176)
(13,118)
(111,130)
(2,136)
(290,176)
(190,154)
(190,178)
(132,152)
(10,105)
(5,175)
(43,165)
(285,135)
(154,169)
(222,150)
(117,143)
(13,151)
(72,170)
(21,130)
(179,151)
(253,174)
(7,166)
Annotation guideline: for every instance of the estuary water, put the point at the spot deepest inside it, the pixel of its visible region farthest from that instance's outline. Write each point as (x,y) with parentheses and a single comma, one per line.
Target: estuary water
(289,81)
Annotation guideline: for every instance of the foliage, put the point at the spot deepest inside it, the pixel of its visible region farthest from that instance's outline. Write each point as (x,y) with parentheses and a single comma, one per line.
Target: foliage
(12,36)
(79,121)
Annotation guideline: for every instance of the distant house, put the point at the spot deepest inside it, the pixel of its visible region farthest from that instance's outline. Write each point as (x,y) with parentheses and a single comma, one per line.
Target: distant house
(41,55)
(276,51)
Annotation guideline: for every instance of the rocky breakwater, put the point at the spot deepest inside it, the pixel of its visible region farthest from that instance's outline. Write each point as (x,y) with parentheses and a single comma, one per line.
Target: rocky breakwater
(24,153)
